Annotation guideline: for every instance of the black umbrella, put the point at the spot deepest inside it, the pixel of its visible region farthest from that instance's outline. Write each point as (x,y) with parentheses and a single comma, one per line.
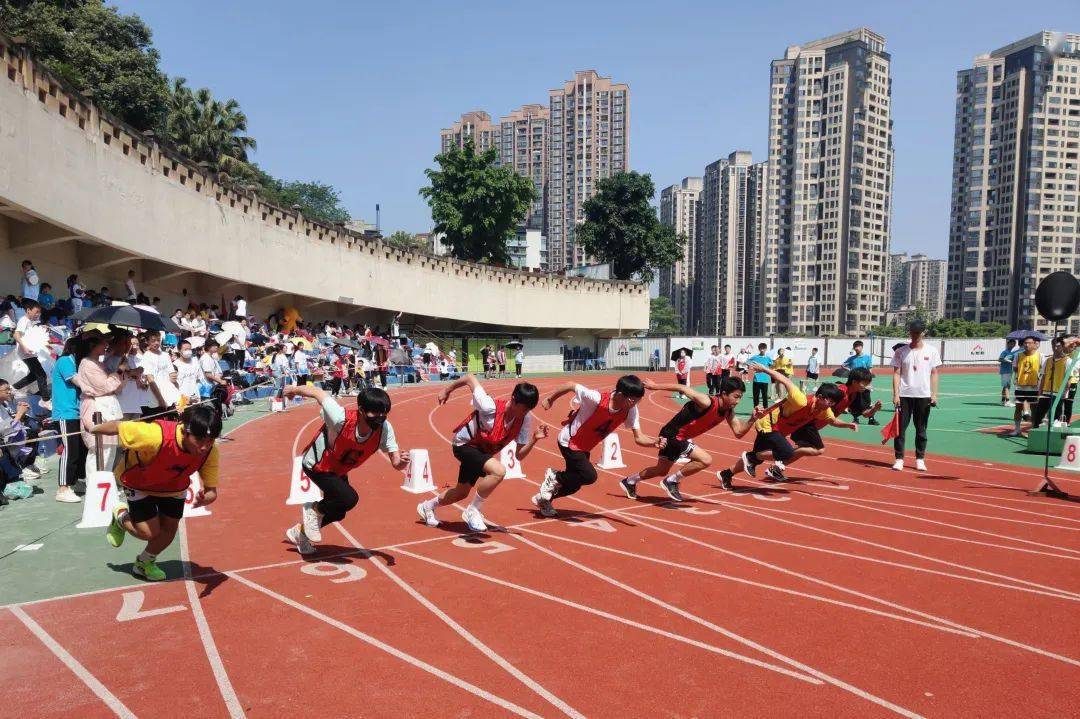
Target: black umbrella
(126,316)
(515,345)
(345,343)
(675,354)
(1021,335)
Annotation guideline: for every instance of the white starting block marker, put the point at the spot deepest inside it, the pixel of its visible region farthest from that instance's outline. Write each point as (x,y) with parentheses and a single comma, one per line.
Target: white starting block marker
(612,455)
(510,461)
(301,488)
(190,510)
(276,405)
(418,479)
(100,500)
(1070,454)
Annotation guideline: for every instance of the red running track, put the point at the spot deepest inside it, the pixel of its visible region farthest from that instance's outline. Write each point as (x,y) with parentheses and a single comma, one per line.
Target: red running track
(851,591)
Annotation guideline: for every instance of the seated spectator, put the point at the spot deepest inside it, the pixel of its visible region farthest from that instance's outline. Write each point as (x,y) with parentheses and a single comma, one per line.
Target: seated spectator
(17,460)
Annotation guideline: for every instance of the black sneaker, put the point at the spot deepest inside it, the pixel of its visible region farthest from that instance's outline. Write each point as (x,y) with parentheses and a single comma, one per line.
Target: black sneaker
(629,489)
(672,489)
(855,420)
(749,463)
(725,479)
(872,421)
(775,474)
(79,487)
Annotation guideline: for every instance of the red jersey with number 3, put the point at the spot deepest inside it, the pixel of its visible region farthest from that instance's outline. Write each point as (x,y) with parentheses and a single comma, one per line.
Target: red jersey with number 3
(346,454)
(492,440)
(600,424)
(690,426)
(171,468)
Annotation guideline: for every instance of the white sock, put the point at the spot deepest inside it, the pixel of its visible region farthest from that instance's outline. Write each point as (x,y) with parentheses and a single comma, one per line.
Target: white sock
(145,556)
(432,503)
(674,477)
(634,478)
(477,502)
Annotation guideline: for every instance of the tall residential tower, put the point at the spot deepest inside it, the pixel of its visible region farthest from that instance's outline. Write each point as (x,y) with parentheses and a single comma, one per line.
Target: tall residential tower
(524,148)
(476,124)
(830,186)
(1015,216)
(679,209)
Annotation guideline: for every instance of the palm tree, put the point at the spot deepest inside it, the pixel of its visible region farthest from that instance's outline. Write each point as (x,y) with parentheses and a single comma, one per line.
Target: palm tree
(206,130)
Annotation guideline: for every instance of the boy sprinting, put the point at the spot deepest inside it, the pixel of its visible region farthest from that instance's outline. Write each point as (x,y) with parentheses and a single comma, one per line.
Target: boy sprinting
(696,417)
(797,417)
(492,425)
(153,476)
(346,439)
(856,389)
(598,415)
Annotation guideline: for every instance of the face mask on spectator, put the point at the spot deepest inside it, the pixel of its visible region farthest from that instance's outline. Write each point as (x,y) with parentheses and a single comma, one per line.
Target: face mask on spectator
(186,354)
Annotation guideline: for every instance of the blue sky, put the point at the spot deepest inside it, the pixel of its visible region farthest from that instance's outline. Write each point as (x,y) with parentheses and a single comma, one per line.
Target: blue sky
(355,93)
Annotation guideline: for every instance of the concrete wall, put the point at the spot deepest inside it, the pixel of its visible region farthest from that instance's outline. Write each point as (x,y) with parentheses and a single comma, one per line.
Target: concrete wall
(108,189)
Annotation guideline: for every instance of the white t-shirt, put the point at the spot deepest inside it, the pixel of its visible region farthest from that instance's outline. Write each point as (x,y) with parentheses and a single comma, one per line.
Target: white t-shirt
(300,359)
(241,308)
(519,358)
(590,400)
(209,365)
(742,357)
(198,326)
(915,366)
(130,285)
(159,366)
(725,360)
(711,363)
(24,325)
(132,397)
(431,348)
(485,408)
(188,376)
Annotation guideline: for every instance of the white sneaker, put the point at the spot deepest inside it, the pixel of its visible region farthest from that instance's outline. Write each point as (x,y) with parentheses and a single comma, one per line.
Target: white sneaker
(41,465)
(303,544)
(312,522)
(67,494)
(30,475)
(474,519)
(920,465)
(898,465)
(748,464)
(549,486)
(544,505)
(45,405)
(427,513)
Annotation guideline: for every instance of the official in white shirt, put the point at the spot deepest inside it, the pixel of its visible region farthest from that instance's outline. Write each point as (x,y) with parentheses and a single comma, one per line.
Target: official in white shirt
(915,387)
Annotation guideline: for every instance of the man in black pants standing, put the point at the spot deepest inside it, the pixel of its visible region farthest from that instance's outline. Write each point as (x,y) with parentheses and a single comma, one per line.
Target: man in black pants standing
(915,387)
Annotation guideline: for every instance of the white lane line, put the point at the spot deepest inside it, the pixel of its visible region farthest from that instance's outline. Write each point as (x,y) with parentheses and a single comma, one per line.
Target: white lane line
(867,696)
(614,617)
(759,585)
(466,634)
(392,651)
(228,694)
(856,503)
(905,552)
(100,690)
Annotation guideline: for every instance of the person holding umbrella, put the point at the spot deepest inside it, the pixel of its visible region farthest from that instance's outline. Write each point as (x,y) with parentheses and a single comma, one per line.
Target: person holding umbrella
(682,365)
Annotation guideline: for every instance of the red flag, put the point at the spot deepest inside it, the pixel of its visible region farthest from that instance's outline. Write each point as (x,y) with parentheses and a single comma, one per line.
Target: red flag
(892,429)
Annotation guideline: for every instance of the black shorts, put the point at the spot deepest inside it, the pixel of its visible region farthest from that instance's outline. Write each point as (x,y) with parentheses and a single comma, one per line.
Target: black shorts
(472,463)
(502,368)
(860,403)
(776,443)
(149,507)
(811,375)
(1025,394)
(676,448)
(807,436)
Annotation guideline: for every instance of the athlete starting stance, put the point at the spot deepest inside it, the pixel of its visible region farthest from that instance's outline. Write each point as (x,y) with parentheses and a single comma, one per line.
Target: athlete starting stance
(796,416)
(696,417)
(153,477)
(492,425)
(597,416)
(347,439)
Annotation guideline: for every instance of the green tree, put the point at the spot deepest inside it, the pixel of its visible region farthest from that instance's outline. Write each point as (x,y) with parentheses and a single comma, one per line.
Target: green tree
(206,130)
(622,228)
(95,48)
(476,204)
(317,200)
(406,241)
(662,319)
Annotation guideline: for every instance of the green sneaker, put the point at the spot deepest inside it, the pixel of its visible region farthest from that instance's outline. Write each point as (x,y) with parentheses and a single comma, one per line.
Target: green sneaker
(115,533)
(148,570)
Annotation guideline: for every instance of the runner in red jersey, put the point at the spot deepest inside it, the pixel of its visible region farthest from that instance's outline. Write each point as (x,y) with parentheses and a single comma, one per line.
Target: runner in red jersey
(697,416)
(346,439)
(598,415)
(479,439)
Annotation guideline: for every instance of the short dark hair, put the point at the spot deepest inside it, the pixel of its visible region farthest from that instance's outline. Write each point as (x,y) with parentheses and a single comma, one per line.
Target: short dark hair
(4,382)
(184,342)
(630,386)
(830,392)
(212,343)
(374,400)
(202,421)
(857,343)
(727,347)
(30,304)
(860,374)
(732,384)
(526,394)
(762,346)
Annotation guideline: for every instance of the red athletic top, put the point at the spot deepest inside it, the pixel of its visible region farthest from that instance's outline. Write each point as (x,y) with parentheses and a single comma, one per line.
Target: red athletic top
(171,468)
(600,424)
(801,417)
(682,366)
(494,439)
(692,421)
(346,454)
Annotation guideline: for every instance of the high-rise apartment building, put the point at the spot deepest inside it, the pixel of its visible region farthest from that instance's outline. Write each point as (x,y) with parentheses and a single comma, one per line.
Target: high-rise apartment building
(897,281)
(924,280)
(830,186)
(729,247)
(524,148)
(589,140)
(678,209)
(477,125)
(1015,183)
